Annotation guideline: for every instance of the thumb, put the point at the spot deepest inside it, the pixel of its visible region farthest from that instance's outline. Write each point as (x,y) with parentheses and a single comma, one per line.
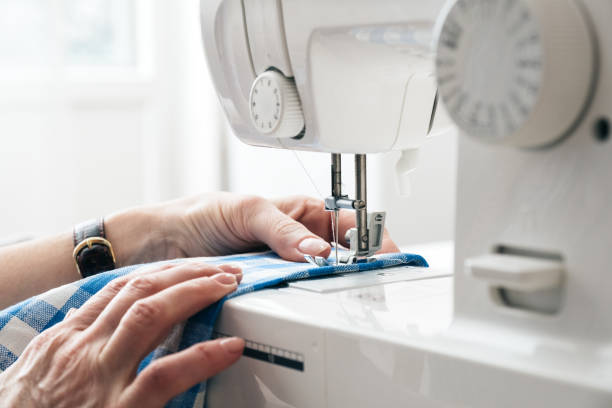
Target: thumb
(287,237)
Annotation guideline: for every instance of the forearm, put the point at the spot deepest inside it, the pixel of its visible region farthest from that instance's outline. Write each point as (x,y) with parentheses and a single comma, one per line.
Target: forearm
(33,267)
(207,225)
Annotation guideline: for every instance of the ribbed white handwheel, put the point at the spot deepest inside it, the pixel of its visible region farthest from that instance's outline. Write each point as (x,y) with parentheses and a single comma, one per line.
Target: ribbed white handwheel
(276,110)
(516,72)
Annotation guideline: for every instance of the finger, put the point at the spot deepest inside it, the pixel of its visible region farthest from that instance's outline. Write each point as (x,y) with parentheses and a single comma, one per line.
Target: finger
(232,268)
(92,308)
(174,374)
(144,285)
(70,313)
(148,320)
(347,221)
(286,236)
(388,246)
(311,213)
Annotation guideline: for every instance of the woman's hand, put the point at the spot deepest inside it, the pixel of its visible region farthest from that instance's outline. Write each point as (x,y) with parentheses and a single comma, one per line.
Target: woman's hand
(224,223)
(90,359)
(207,225)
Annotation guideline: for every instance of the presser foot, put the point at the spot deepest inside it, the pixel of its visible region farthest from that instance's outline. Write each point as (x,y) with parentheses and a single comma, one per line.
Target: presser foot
(373,239)
(343,260)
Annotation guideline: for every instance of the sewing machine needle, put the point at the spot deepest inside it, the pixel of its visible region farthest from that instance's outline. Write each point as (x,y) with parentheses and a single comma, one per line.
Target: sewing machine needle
(336,231)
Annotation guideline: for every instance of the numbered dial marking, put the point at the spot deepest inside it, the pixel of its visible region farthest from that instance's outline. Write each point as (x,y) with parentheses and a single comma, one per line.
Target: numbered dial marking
(489,66)
(275,106)
(266,105)
(516,72)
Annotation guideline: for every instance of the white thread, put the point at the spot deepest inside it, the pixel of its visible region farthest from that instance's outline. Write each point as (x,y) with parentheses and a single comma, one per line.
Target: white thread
(333,215)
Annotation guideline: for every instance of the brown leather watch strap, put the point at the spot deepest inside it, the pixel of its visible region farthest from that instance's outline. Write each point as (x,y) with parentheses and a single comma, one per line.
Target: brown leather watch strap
(88,229)
(93,253)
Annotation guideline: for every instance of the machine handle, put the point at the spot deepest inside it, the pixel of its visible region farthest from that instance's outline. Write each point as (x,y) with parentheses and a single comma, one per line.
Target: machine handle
(516,272)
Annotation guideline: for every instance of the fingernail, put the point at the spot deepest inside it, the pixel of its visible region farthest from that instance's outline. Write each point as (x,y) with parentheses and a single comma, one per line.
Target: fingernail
(231,268)
(225,278)
(313,246)
(233,345)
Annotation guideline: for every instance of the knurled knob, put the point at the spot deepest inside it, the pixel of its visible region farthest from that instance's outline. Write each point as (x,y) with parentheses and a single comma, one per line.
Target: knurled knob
(516,72)
(275,106)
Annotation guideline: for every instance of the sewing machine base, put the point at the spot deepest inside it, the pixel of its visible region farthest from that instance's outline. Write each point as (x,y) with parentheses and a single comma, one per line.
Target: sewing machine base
(387,339)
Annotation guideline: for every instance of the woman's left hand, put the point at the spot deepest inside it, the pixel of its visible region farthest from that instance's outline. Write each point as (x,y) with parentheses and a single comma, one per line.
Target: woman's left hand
(224,223)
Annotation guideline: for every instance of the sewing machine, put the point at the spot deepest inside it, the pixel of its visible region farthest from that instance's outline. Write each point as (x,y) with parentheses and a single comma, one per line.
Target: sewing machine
(522,317)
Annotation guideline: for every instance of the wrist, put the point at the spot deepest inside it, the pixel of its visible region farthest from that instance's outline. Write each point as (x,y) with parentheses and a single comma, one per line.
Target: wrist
(137,235)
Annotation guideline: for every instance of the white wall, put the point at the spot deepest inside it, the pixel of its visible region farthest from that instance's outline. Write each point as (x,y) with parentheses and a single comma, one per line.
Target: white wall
(428,213)
(78,143)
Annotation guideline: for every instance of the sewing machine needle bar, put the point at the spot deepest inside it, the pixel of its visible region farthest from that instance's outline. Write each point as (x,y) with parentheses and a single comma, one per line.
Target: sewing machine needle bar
(361,196)
(336,233)
(336,173)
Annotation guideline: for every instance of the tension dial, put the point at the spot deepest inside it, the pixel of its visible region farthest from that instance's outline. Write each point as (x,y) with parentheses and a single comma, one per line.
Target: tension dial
(516,72)
(275,106)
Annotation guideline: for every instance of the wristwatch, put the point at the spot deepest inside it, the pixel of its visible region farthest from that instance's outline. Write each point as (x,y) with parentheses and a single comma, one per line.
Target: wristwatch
(93,253)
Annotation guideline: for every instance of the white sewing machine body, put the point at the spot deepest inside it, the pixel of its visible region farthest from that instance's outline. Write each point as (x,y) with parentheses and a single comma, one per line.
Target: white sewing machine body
(359,74)
(524,319)
(360,342)
(354,340)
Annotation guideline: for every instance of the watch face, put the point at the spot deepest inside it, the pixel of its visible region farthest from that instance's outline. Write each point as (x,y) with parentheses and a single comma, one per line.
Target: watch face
(489,66)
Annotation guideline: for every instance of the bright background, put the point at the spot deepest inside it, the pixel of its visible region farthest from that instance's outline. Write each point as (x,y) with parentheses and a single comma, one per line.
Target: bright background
(106,104)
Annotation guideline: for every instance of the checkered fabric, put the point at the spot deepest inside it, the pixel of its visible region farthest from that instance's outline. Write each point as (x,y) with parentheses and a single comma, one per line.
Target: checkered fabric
(19,324)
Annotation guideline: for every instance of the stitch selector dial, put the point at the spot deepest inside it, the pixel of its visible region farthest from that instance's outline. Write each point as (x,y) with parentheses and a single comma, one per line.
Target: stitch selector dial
(275,106)
(515,72)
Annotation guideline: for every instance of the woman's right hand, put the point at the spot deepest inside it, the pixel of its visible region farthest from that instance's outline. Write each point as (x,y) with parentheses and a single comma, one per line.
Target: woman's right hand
(91,358)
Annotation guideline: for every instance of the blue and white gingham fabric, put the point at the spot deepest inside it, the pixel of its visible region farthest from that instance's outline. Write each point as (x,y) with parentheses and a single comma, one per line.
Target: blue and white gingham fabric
(19,324)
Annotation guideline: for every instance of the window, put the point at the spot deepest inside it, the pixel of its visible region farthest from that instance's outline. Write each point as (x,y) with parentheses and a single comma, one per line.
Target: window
(99,32)
(42,35)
